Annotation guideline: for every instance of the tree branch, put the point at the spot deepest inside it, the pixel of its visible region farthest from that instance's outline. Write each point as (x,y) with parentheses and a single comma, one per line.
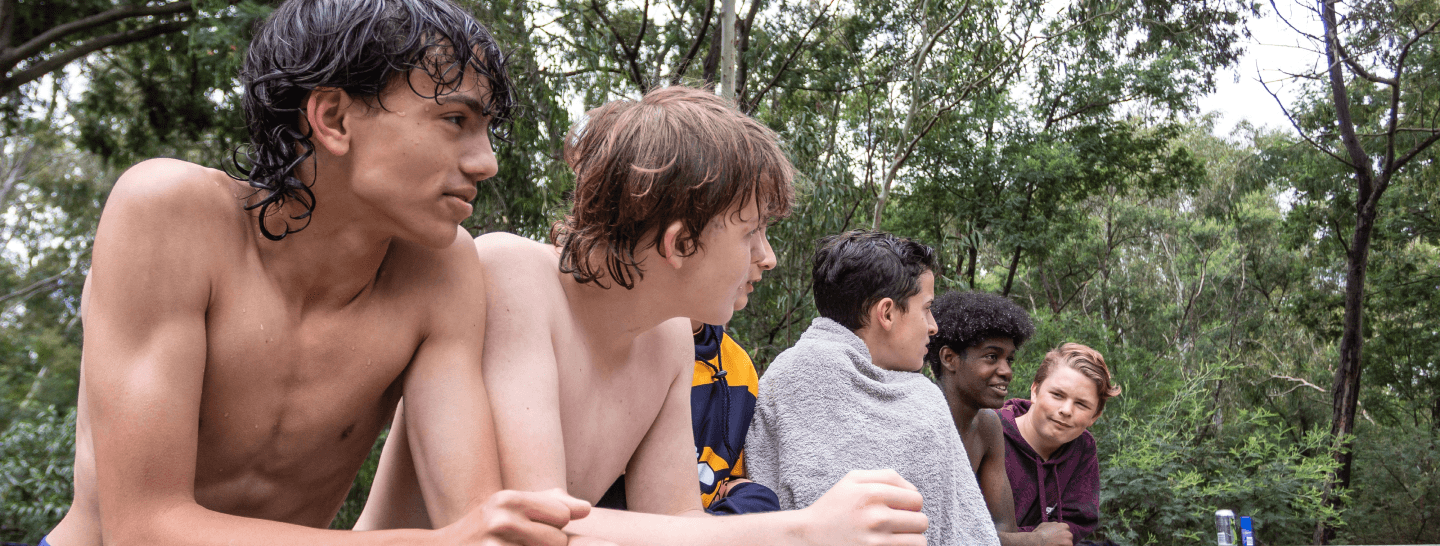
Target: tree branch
(1302,383)
(1420,147)
(1391,165)
(1360,70)
(694,46)
(16,170)
(1298,130)
(629,56)
(644,26)
(755,99)
(33,287)
(571,73)
(1341,99)
(742,72)
(7,22)
(1086,108)
(1289,24)
(37,44)
(12,82)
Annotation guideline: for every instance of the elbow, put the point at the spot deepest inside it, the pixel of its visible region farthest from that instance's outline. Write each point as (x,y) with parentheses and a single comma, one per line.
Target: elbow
(147,525)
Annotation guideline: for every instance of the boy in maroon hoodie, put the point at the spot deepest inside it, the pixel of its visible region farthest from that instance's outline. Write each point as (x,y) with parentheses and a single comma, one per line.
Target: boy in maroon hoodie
(1049,453)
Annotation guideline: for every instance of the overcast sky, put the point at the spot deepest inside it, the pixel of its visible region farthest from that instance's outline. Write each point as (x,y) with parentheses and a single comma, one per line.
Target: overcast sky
(1273,47)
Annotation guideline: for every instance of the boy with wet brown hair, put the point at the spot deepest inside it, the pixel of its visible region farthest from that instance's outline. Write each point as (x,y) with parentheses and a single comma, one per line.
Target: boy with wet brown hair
(247,340)
(589,354)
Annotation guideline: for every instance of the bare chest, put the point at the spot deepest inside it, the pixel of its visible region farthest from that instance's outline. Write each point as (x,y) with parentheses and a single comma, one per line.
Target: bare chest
(292,401)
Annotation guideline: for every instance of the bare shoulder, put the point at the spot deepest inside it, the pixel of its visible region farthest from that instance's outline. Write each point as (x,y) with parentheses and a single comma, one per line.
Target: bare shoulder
(170,216)
(516,266)
(992,432)
(669,343)
(500,249)
(166,223)
(176,192)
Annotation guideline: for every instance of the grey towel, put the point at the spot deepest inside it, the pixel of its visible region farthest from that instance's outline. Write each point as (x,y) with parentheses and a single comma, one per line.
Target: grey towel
(824,409)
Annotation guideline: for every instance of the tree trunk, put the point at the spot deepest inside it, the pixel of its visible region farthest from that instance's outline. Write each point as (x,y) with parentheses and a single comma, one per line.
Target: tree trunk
(1015,258)
(970,271)
(1346,389)
(727,49)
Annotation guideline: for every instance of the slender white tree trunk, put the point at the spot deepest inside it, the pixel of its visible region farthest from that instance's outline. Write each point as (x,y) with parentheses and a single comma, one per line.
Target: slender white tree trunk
(727,49)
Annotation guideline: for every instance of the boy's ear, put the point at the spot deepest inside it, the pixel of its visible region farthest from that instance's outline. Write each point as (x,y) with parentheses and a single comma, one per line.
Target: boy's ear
(949,359)
(882,314)
(670,244)
(326,113)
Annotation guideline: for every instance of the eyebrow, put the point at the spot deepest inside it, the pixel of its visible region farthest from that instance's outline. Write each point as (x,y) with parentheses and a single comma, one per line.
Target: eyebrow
(470,102)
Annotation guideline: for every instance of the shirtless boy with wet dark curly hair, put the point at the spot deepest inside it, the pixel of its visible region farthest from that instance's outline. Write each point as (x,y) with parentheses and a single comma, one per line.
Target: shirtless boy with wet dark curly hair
(246,340)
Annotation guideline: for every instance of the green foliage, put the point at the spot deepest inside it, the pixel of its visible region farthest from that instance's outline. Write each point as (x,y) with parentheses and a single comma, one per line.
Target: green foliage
(36,477)
(1399,467)
(52,209)
(1167,470)
(355,500)
(1053,159)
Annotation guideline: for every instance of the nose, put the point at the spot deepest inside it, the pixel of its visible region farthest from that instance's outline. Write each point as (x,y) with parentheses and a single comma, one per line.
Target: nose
(767,253)
(1065,408)
(477,161)
(1005,372)
(930,323)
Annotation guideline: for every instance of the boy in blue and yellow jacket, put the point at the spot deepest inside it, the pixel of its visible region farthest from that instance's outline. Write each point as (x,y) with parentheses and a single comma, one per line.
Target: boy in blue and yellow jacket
(722,401)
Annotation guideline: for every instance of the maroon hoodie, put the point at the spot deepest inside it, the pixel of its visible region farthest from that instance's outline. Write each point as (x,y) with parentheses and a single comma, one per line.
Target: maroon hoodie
(1071,478)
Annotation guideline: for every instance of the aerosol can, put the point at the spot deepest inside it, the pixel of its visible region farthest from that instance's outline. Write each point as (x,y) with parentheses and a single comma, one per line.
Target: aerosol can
(1225,527)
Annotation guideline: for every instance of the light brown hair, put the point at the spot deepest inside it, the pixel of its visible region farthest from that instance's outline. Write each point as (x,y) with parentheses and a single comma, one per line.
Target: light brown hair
(1082,359)
(678,153)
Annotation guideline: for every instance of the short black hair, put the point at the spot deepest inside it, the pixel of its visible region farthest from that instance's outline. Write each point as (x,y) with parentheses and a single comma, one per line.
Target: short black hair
(964,319)
(359,46)
(856,269)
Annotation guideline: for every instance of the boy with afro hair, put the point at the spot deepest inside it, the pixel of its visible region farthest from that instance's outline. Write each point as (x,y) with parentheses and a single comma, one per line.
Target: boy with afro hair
(971,356)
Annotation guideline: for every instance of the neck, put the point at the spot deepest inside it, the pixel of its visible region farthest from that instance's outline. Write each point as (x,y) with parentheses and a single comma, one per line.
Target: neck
(1038,443)
(615,316)
(872,336)
(964,414)
(335,258)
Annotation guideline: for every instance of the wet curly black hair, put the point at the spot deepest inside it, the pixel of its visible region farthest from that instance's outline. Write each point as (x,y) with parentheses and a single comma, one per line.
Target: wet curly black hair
(359,46)
(964,319)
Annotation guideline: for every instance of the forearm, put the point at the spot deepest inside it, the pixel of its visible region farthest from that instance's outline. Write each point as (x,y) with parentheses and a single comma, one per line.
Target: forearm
(189,524)
(1020,539)
(640,529)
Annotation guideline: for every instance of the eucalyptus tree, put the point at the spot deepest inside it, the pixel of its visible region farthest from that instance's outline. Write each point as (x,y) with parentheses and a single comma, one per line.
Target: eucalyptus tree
(1374,110)
(1092,107)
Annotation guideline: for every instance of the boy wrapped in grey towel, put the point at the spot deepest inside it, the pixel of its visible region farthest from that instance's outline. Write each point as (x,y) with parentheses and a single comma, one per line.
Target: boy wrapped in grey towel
(847,395)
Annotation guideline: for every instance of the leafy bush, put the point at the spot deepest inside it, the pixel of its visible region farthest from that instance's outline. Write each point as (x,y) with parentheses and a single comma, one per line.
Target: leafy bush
(1165,473)
(36,475)
(1396,485)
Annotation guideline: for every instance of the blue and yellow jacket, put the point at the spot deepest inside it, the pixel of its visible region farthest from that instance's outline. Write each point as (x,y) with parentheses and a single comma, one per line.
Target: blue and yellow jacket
(722,402)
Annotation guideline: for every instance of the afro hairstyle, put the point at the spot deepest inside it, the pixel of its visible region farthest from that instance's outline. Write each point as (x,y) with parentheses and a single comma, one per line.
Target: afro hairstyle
(964,319)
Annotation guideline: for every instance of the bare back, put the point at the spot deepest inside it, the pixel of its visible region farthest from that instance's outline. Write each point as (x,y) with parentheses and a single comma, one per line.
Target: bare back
(209,362)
